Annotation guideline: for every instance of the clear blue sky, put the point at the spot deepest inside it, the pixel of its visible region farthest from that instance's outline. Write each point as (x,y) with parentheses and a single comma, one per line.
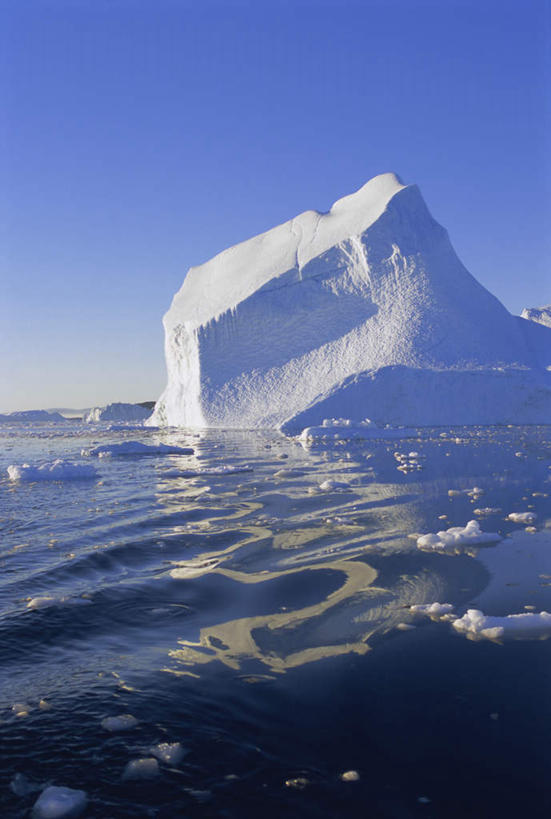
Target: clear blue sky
(139,137)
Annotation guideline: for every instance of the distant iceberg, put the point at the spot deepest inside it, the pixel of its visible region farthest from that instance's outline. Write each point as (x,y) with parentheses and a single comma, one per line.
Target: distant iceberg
(117,412)
(362,312)
(29,416)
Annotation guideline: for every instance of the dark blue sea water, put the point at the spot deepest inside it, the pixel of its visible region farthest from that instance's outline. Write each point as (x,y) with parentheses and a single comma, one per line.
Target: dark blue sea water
(229,604)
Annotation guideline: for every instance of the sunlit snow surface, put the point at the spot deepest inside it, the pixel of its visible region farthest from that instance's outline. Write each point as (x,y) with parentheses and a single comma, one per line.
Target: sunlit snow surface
(190,631)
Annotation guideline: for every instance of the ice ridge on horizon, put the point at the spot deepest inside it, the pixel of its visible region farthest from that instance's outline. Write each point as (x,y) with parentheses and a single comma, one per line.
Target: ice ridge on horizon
(363,311)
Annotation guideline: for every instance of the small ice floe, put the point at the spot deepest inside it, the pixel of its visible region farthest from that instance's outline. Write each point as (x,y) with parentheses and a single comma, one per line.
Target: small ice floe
(136,448)
(409,461)
(298,783)
(146,768)
(58,470)
(171,753)
(329,485)
(350,776)
(21,709)
(522,517)
(486,511)
(334,429)
(59,803)
(449,540)
(436,611)
(529,626)
(124,722)
(405,626)
(44,601)
(474,493)
(21,785)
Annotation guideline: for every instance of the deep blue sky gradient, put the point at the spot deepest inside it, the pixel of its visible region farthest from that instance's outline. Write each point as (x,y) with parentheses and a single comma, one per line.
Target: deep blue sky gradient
(139,138)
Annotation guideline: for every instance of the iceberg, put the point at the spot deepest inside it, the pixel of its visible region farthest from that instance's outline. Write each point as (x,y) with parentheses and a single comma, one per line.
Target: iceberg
(117,412)
(541,315)
(361,312)
(31,416)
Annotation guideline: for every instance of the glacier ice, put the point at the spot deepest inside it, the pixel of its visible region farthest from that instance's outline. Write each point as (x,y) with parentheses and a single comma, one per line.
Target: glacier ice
(117,412)
(542,315)
(363,311)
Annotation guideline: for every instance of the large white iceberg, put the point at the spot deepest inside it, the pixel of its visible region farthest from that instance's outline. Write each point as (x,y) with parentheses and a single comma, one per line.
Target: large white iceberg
(364,311)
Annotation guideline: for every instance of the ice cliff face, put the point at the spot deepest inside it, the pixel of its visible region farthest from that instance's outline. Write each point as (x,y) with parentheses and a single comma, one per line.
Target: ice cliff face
(362,311)
(117,412)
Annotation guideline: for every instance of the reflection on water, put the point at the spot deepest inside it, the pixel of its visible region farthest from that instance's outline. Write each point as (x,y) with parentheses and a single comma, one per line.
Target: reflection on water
(252,560)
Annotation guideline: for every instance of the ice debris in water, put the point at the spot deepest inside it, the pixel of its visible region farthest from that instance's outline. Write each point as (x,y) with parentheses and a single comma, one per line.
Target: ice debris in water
(478,626)
(449,539)
(329,485)
(146,768)
(522,517)
(23,786)
(58,470)
(171,753)
(47,600)
(333,429)
(59,803)
(475,492)
(436,611)
(121,723)
(136,448)
(409,461)
(350,776)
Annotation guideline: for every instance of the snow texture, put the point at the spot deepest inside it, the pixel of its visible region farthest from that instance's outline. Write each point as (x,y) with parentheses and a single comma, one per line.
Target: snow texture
(59,470)
(529,626)
(135,448)
(117,412)
(361,311)
(449,540)
(433,610)
(59,803)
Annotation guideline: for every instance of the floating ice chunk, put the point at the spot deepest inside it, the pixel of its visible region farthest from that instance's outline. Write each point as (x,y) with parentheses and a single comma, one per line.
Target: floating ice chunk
(47,600)
(171,753)
(59,803)
(121,723)
(350,776)
(478,626)
(298,783)
(146,768)
(434,610)
(136,448)
(344,429)
(21,709)
(448,540)
(522,517)
(475,492)
(329,485)
(58,470)
(23,786)
(487,510)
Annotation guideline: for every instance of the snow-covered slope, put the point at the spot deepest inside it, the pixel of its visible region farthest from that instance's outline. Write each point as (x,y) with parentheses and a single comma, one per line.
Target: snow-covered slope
(364,311)
(117,412)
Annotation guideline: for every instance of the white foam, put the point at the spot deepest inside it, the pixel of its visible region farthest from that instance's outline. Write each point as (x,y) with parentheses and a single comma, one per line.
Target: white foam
(58,802)
(58,470)
(449,540)
(526,626)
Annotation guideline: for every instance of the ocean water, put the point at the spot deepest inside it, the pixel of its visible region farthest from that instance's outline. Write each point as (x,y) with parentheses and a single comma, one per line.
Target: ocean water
(229,604)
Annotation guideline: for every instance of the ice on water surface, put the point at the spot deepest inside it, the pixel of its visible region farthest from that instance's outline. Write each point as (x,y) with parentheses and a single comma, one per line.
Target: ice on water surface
(218,582)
